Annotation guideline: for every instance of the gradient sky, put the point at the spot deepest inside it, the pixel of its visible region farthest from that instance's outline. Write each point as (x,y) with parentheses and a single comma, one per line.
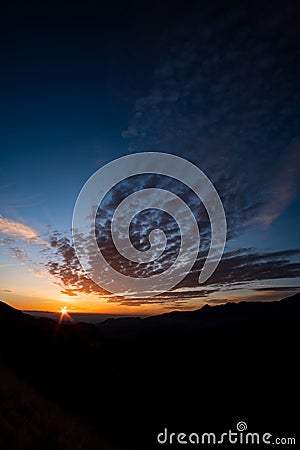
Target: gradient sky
(82,84)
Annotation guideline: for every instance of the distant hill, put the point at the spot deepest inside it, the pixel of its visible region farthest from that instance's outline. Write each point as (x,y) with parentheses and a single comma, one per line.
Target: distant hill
(93,318)
(207,316)
(185,322)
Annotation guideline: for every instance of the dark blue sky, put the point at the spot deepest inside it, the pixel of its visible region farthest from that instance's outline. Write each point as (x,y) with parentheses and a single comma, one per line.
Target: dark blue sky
(84,83)
(68,87)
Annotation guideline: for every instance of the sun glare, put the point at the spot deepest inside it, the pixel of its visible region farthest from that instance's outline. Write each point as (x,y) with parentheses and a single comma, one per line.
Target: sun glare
(64,316)
(64,310)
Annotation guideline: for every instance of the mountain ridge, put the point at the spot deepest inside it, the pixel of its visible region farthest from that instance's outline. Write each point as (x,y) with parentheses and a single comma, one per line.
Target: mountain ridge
(246,309)
(233,361)
(231,311)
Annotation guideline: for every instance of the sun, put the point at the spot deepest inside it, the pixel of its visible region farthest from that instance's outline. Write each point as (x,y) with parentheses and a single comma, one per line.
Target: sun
(64,316)
(64,310)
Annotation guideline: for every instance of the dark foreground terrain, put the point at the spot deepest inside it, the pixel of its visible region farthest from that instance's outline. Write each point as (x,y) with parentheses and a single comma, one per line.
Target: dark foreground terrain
(116,385)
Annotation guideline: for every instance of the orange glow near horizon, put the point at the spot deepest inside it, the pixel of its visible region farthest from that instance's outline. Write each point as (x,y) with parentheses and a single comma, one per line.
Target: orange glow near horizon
(26,291)
(38,301)
(93,305)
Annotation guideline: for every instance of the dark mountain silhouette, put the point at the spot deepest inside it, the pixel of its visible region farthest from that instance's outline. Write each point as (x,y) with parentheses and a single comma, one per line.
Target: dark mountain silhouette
(200,370)
(206,317)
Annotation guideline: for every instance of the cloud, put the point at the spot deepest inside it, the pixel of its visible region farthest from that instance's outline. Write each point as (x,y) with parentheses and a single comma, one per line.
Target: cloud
(285,186)
(68,292)
(22,243)
(217,301)
(5,290)
(277,289)
(226,96)
(19,253)
(237,268)
(18,230)
(62,263)
(248,265)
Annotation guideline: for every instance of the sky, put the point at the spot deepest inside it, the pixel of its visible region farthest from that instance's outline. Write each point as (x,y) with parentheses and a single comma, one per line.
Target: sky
(84,83)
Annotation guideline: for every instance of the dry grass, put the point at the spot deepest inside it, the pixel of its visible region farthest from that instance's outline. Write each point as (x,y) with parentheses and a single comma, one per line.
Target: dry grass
(29,421)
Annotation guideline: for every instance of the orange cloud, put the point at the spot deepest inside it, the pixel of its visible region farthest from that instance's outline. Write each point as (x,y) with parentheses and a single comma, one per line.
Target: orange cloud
(17,229)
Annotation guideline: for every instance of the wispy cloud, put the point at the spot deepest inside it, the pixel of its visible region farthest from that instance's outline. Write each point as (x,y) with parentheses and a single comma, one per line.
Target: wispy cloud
(226,96)
(22,243)
(277,289)
(283,189)
(18,230)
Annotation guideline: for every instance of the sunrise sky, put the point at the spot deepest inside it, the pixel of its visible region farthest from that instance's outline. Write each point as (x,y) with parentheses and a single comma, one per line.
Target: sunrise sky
(83,85)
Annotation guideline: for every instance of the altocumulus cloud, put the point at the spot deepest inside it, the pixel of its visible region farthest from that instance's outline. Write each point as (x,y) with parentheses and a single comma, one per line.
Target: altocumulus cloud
(226,95)
(239,267)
